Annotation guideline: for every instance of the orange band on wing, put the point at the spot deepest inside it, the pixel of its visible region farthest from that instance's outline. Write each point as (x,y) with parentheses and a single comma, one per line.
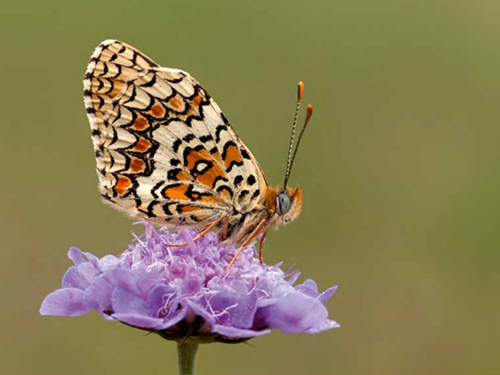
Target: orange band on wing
(122,185)
(118,88)
(158,111)
(176,192)
(140,124)
(137,165)
(184,192)
(186,209)
(175,102)
(142,145)
(207,175)
(232,155)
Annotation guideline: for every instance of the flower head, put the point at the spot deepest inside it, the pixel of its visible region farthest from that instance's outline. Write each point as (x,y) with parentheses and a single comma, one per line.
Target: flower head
(186,291)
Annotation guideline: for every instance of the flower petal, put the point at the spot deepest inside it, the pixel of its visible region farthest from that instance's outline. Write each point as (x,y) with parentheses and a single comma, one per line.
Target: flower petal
(138,320)
(157,297)
(65,302)
(92,259)
(174,318)
(308,287)
(74,279)
(296,312)
(323,326)
(124,278)
(238,332)
(293,277)
(126,302)
(325,296)
(76,256)
(201,311)
(108,261)
(98,294)
(147,282)
(142,321)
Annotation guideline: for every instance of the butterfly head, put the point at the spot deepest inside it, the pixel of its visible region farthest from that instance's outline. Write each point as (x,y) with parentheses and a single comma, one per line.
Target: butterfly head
(289,204)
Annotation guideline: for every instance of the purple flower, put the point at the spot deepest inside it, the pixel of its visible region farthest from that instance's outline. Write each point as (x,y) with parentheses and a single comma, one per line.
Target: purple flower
(186,291)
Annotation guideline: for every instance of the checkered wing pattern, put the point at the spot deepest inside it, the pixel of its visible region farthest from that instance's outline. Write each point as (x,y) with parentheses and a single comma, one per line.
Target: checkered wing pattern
(164,149)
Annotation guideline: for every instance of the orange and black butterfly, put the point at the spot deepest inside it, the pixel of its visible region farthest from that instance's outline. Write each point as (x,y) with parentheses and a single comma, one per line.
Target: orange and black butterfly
(166,152)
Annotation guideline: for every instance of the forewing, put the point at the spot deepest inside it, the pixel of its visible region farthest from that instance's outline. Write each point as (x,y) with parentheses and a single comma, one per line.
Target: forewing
(164,149)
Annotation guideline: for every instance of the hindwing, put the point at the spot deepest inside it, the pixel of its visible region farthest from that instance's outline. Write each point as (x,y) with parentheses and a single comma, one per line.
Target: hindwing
(164,149)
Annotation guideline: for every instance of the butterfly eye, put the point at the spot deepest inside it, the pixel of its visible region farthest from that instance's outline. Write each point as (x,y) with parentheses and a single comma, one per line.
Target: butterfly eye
(283,203)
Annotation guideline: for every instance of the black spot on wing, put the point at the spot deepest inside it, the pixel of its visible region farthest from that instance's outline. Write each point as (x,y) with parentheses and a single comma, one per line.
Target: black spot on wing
(206,138)
(166,208)
(243,194)
(245,154)
(238,180)
(155,188)
(255,194)
(218,130)
(195,218)
(177,143)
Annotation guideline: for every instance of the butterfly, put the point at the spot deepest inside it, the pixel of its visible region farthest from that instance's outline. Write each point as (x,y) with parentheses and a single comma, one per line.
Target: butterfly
(166,152)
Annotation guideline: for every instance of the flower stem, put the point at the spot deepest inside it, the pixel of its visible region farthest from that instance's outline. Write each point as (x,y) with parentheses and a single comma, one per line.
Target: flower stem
(186,351)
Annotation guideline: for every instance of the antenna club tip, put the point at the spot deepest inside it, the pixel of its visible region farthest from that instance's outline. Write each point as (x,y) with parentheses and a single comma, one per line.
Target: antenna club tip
(301,89)
(308,114)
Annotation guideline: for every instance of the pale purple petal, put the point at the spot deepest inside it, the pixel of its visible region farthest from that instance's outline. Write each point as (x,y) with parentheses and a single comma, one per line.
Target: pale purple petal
(174,318)
(108,261)
(158,298)
(235,305)
(74,279)
(65,302)
(323,326)
(76,255)
(139,320)
(92,259)
(124,278)
(126,302)
(99,293)
(80,276)
(201,311)
(238,332)
(309,287)
(147,282)
(293,277)
(296,312)
(326,295)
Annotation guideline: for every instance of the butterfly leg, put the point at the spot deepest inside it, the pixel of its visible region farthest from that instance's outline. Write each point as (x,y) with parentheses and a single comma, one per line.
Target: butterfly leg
(203,233)
(261,245)
(225,229)
(246,242)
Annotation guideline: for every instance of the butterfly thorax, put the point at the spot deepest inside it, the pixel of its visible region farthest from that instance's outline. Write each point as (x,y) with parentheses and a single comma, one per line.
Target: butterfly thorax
(278,206)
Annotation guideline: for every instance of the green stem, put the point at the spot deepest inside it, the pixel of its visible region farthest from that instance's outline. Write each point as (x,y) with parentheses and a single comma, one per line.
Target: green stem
(186,351)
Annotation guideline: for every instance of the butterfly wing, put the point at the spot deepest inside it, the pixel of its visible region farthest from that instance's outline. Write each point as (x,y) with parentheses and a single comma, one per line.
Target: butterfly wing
(164,149)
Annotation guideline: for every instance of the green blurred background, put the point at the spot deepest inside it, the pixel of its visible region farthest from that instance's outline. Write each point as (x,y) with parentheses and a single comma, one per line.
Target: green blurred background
(400,172)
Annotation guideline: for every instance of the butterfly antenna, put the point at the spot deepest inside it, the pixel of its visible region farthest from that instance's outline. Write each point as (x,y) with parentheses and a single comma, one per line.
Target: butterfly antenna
(308,117)
(292,137)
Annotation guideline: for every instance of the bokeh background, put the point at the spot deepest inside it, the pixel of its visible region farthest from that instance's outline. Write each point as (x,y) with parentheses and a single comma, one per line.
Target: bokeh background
(400,172)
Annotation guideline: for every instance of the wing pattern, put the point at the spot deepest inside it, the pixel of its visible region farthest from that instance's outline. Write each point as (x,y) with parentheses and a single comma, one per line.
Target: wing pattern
(164,149)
